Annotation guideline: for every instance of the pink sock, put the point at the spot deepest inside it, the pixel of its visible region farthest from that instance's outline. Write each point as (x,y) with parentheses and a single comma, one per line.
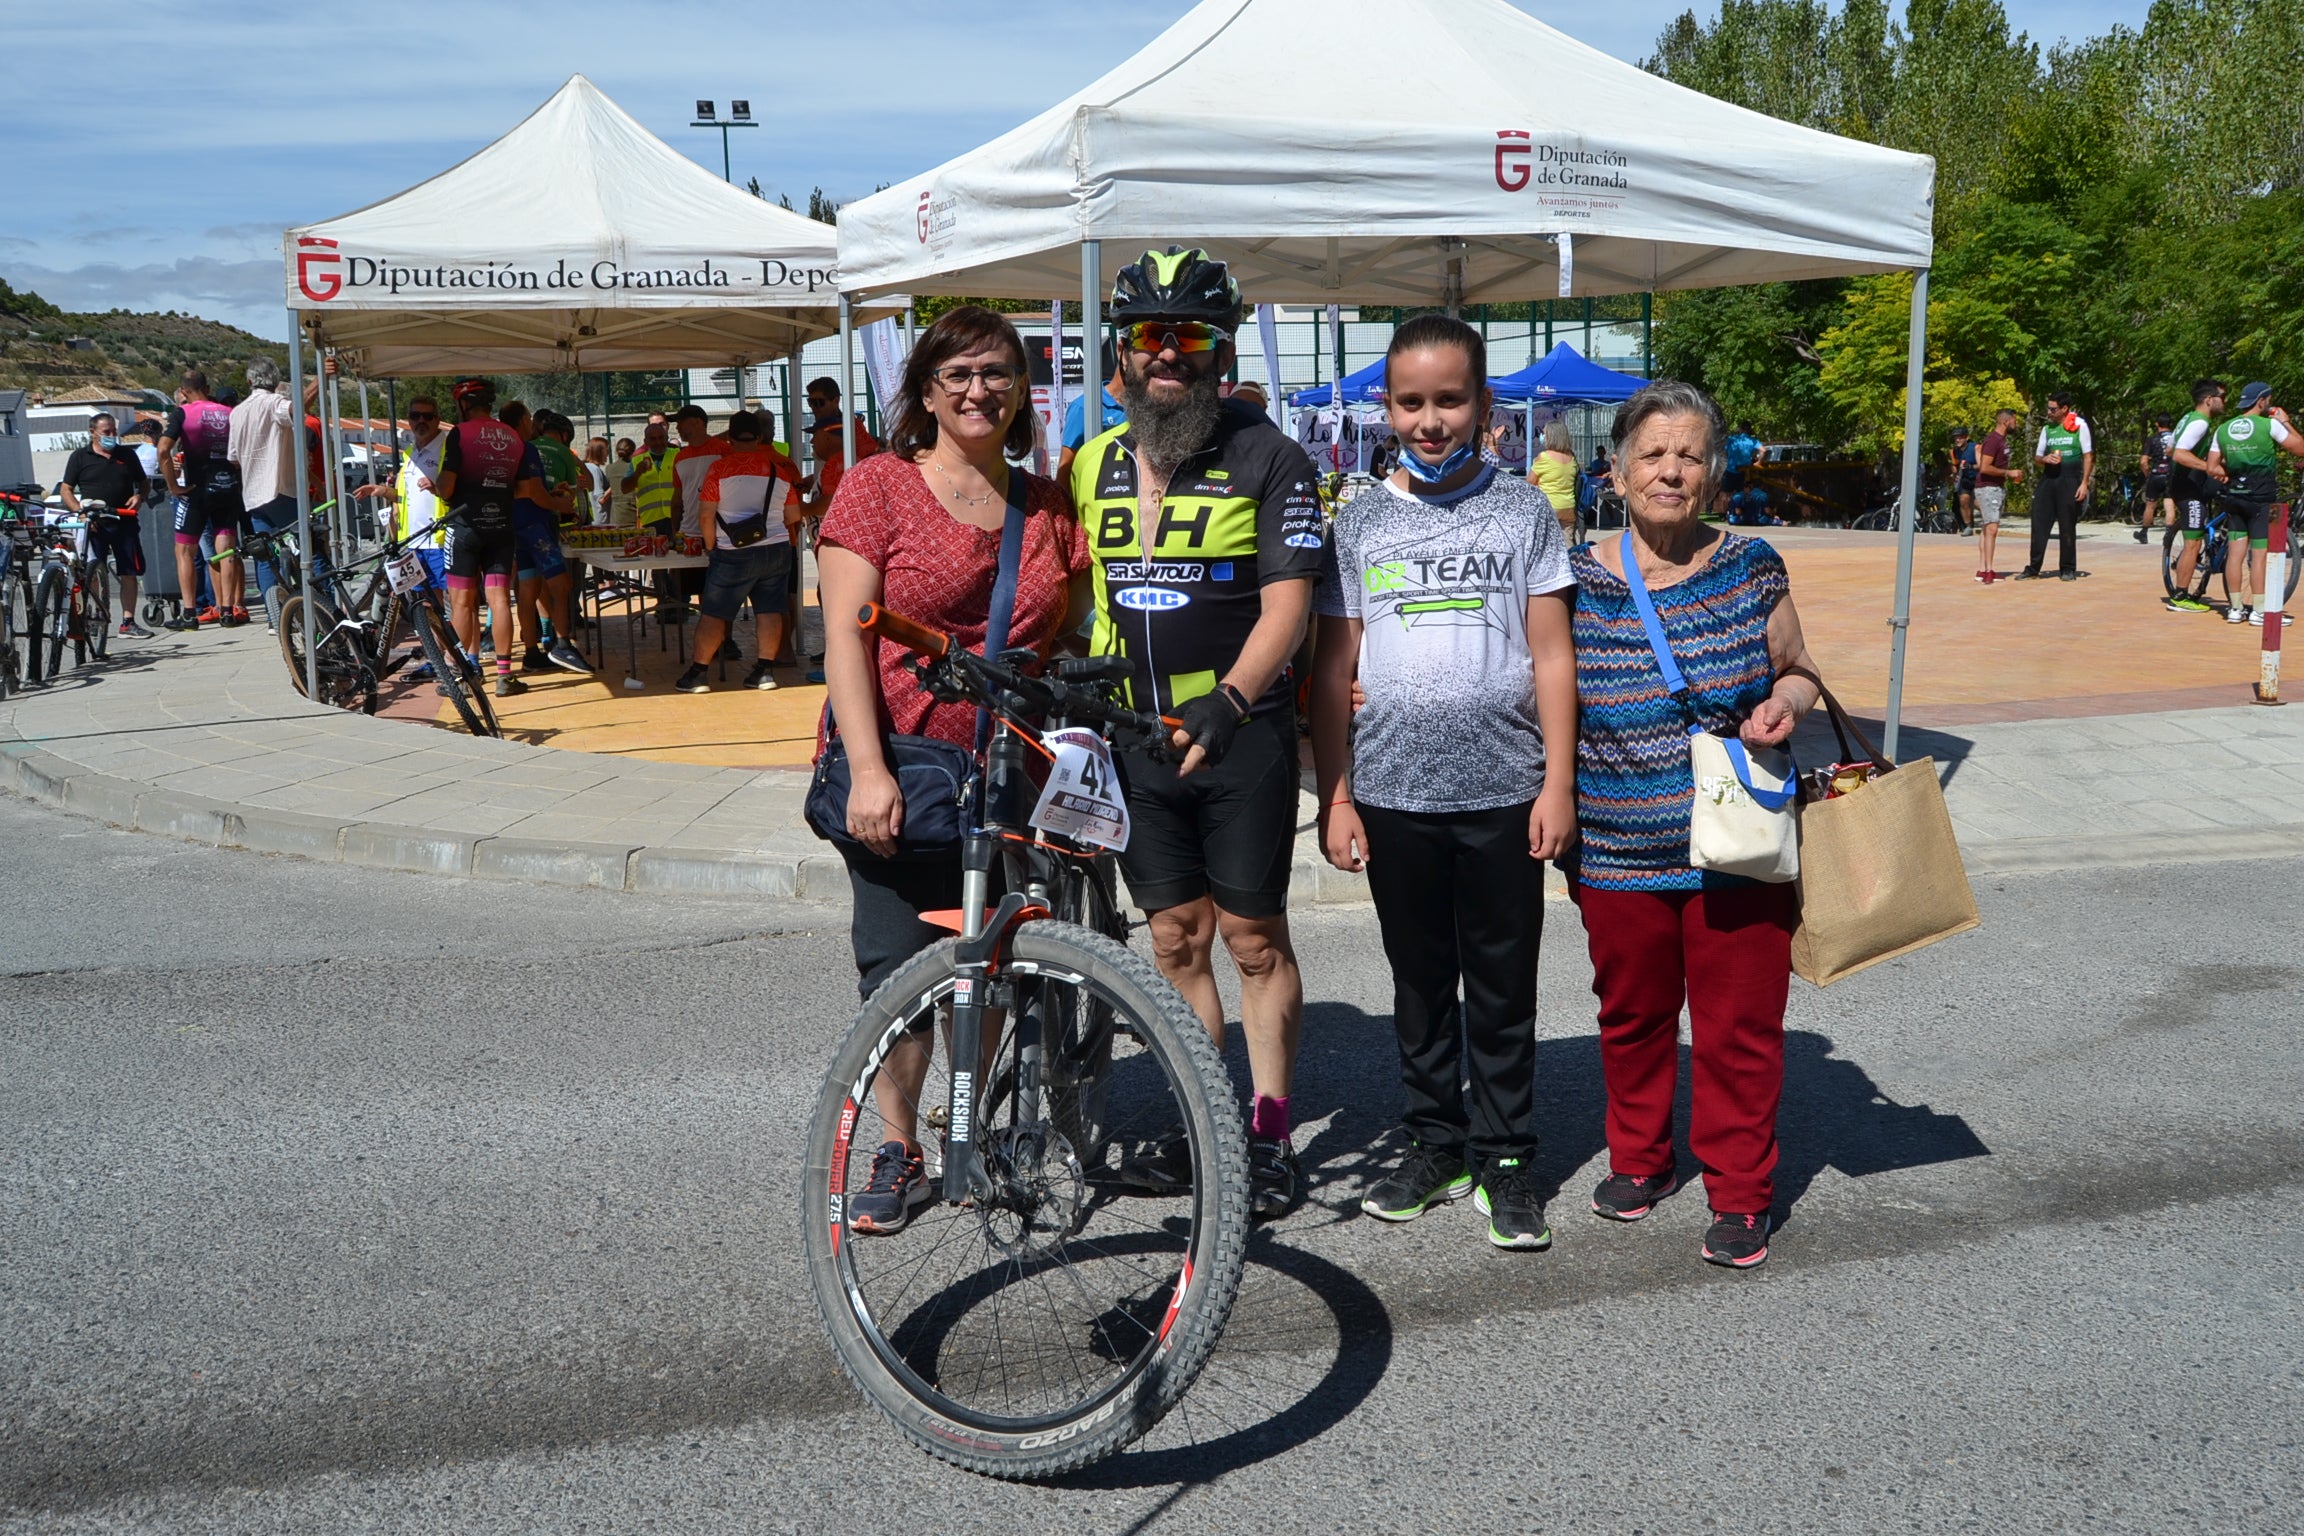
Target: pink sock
(1269,1118)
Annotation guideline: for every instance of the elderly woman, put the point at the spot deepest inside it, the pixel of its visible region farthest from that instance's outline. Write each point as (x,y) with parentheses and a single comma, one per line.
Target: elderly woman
(1553,471)
(918,528)
(1662,932)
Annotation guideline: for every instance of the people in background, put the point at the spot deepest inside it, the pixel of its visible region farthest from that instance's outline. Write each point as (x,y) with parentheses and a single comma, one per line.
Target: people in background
(263,451)
(751,509)
(1554,471)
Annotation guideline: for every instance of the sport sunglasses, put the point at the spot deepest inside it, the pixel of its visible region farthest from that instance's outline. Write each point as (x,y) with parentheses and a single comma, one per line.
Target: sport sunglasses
(1181,336)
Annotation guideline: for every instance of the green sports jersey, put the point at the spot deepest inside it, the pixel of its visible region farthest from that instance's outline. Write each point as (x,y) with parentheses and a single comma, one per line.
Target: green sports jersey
(2073,442)
(2194,433)
(561,469)
(2250,447)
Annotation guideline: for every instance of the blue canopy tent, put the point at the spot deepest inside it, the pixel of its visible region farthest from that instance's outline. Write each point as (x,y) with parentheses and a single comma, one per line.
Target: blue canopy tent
(1359,389)
(1564,374)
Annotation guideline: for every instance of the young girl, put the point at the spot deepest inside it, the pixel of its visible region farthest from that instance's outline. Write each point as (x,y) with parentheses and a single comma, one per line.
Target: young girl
(1448,593)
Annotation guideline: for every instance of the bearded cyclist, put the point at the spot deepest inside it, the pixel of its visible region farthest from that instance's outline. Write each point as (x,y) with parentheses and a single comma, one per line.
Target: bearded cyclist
(1205,534)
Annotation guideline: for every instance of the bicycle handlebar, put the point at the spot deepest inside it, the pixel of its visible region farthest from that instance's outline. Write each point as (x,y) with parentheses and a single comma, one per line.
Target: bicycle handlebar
(894,627)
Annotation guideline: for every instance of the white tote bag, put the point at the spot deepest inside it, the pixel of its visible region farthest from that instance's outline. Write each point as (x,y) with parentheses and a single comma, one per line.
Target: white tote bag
(1744,819)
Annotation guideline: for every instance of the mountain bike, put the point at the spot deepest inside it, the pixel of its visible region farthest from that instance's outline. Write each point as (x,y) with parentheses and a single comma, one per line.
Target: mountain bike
(1035,1315)
(71,595)
(2215,547)
(18,562)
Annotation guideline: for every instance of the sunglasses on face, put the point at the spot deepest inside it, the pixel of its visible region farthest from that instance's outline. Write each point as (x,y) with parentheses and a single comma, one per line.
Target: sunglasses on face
(416,416)
(997,379)
(1184,337)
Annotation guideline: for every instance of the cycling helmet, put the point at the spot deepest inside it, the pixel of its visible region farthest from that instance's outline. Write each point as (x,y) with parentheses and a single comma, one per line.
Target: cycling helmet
(474,392)
(1176,284)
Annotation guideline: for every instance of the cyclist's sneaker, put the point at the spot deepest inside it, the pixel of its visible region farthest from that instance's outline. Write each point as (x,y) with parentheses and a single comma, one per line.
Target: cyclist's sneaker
(2185,605)
(1630,1196)
(131,630)
(694,680)
(899,1182)
(760,677)
(239,616)
(2235,614)
(1738,1242)
(2143,535)
(420,673)
(2254,616)
(507,685)
(1272,1176)
(1425,1177)
(1160,1166)
(210,616)
(534,660)
(566,657)
(1507,1197)
(181,622)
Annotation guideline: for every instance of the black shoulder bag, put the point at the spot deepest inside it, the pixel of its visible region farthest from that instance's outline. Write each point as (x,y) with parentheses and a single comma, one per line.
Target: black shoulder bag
(931,774)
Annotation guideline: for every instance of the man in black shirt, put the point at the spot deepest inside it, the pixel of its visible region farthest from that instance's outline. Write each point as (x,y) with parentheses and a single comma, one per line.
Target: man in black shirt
(107,472)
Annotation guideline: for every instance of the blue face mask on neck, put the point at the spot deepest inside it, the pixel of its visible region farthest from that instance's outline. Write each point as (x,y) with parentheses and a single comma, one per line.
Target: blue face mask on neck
(1432,474)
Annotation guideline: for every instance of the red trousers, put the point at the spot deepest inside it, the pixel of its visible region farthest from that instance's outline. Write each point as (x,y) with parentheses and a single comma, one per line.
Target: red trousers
(1728,955)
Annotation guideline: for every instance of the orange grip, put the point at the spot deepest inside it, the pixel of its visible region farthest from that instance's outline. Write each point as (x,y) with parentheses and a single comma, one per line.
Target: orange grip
(876,620)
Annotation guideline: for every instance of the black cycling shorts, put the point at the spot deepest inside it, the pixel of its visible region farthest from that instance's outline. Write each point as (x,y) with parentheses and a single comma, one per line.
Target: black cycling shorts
(1227,831)
(470,554)
(2247,519)
(207,509)
(2155,487)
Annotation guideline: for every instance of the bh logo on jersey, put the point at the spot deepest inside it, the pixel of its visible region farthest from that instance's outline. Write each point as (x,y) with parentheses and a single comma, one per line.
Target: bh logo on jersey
(316,268)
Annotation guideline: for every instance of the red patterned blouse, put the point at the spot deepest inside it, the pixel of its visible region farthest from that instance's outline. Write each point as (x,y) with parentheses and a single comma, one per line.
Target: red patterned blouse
(939,570)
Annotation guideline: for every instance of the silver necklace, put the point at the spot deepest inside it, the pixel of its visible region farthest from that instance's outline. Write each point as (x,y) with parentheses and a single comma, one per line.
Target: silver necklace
(959,495)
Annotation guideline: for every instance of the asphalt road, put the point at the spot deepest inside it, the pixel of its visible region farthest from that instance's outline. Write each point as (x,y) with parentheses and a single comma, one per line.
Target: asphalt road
(333,1200)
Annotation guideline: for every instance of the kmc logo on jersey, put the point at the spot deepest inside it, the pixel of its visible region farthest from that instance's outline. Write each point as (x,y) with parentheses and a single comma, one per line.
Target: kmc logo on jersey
(1151,599)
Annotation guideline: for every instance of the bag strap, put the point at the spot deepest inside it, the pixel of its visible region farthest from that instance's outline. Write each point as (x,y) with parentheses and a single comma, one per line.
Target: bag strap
(1766,799)
(1844,728)
(1002,615)
(1674,683)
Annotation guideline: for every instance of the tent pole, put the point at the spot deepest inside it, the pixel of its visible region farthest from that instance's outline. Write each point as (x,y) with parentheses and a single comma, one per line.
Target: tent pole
(367,451)
(1648,335)
(303,506)
(1908,508)
(792,439)
(1092,375)
(847,382)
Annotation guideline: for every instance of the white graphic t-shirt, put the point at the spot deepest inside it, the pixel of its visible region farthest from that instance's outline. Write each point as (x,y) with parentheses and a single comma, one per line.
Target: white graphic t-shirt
(1441,588)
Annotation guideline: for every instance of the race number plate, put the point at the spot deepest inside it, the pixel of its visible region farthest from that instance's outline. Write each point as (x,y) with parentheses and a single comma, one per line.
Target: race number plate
(405,572)
(1083,799)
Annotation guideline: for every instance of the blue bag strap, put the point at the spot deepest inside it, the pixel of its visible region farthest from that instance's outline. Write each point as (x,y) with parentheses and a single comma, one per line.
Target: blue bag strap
(1003,611)
(1766,799)
(1674,684)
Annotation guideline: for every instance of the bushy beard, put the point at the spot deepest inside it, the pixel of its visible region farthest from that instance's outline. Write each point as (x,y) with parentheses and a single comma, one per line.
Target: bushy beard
(1168,429)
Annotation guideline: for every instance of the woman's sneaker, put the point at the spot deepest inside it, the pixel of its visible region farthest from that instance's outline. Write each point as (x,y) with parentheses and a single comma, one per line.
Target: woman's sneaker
(1507,1197)
(1628,1197)
(1738,1242)
(1425,1177)
(899,1182)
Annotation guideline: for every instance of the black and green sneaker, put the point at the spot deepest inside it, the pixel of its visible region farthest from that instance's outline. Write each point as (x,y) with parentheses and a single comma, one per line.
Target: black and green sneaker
(1425,1176)
(1507,1197)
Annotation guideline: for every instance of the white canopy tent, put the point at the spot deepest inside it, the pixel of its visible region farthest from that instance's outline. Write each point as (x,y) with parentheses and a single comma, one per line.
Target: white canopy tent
(1478,156)
(577,241)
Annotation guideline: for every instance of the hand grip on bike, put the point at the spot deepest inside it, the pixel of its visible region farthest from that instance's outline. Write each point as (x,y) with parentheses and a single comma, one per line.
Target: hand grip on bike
(894,627)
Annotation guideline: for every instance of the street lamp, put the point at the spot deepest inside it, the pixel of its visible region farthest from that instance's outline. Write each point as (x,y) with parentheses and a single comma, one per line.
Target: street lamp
(739,116)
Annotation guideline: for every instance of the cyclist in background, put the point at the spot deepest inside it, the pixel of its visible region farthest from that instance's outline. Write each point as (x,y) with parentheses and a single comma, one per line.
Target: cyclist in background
(107,472)
(2245,463)
(195,448)
(484,466)
(2192,485)
(2154,465)
(1205,535)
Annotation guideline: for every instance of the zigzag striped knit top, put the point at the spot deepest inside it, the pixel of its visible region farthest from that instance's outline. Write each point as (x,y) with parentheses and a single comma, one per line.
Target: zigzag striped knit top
(1633,787)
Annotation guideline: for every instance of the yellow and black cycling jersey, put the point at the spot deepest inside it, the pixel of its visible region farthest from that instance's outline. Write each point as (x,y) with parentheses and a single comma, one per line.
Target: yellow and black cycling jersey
(1241,513)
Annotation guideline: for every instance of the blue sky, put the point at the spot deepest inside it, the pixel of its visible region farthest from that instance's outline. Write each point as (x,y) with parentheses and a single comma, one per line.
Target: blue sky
(171,192)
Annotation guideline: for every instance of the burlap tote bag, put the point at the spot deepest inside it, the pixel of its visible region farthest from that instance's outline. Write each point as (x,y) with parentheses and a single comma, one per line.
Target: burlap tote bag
(1880,871)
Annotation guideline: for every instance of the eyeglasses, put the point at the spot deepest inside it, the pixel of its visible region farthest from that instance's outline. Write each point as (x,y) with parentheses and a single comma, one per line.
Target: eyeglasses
(1181,336)
(997,379)
(415,416)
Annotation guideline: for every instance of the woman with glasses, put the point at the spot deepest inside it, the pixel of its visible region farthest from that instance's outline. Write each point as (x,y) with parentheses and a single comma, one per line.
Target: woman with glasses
(918,528)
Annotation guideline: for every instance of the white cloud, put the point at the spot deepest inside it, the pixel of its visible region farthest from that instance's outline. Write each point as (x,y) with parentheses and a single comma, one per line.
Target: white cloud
(249,294)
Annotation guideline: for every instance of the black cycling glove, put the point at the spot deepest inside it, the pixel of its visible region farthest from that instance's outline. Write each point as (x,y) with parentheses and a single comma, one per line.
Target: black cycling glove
(1212,720)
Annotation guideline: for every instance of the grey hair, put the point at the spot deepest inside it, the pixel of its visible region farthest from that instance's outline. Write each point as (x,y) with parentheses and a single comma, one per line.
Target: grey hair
(1670,397)
(263,374)
(1556,438)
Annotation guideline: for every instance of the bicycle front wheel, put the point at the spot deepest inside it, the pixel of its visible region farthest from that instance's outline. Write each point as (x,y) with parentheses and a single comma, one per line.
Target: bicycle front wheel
(1045,1325)
(2171,549)
(458,678)
(51,622)
(96,613)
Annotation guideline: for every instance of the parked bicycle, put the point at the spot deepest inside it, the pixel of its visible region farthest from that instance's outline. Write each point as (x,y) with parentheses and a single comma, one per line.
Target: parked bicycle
(1036,1316)
(58,593)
